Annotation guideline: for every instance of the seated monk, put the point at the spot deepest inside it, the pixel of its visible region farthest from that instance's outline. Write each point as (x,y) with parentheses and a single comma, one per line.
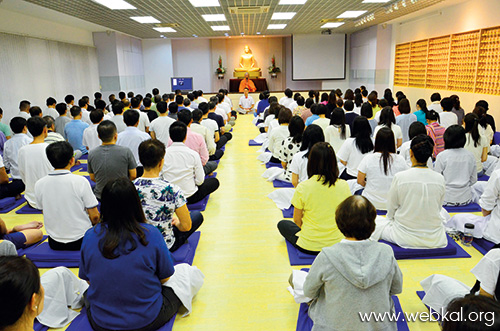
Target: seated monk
(247,62)
(247,83)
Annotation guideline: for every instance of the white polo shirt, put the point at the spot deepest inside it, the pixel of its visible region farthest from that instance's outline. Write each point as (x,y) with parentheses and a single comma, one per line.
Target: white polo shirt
(91,137)
(51,112)
(161,126)
(246,102)
(132,137)
(33,165)
(183,168)
(143,121)
(210,124)
(64,199)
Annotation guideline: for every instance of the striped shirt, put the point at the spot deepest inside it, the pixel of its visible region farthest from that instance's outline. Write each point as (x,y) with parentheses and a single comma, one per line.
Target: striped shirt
(436,132)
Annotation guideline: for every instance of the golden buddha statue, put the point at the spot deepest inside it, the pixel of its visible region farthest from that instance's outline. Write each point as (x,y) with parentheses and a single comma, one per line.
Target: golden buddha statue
(247,62)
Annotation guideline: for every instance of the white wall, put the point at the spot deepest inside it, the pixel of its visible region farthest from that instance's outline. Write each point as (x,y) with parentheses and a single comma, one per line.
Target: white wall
(192,58)
(158,66)
(467,16)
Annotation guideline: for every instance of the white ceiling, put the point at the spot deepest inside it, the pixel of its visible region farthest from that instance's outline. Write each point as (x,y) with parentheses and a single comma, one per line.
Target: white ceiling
(307,19)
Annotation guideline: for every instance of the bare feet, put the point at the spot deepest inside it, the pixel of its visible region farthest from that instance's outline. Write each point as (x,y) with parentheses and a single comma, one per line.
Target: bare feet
(30,225)
(19,196)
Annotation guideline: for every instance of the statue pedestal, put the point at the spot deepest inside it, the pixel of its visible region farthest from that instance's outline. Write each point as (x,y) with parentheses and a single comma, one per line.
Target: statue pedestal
(252,74)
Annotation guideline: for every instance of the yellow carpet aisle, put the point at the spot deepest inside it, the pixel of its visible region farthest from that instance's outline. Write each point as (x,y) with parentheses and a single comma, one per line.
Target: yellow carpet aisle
(244,257)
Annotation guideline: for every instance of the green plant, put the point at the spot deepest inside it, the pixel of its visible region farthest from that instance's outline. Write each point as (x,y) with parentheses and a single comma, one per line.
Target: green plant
(220,69)
(273,69)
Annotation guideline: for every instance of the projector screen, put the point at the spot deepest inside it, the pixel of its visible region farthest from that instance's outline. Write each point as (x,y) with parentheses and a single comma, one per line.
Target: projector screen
(318,56)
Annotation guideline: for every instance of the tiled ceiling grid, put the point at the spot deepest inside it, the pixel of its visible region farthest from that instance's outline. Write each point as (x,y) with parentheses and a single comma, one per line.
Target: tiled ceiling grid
(307,19)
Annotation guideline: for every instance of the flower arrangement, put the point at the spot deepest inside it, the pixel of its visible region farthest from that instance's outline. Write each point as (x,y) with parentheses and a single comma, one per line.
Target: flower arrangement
(220,69)
(273,69)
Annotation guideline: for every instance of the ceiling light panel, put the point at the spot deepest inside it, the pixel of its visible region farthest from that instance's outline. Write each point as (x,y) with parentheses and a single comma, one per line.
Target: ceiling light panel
(115,4)
(292,2)
(283,16)
(332,25)
(351,14)
(165,29)
(276,26)
(145,19)
(375,1)
(214,17)
(205,3)
(220,28)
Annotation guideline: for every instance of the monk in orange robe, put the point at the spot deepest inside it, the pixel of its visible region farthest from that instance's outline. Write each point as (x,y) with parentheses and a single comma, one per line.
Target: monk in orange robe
(247,83)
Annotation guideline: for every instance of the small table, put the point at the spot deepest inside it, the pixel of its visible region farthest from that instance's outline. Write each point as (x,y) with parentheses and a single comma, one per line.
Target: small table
(260,85)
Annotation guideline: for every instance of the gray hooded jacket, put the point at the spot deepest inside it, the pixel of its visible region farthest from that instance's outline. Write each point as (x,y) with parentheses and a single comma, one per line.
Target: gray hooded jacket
(349,278)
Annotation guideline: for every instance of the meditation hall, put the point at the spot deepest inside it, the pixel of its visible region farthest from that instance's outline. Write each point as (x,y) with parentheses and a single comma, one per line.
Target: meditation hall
(253,165)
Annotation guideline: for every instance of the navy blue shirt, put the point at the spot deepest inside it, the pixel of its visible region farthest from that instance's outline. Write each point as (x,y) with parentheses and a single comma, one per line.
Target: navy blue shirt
(125,293)
(263,104)
(217,118)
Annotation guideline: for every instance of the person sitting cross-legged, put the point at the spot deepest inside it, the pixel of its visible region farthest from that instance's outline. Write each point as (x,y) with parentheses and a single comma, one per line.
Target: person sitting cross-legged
(68,204)
(161,199)
(183,167)
(22,236)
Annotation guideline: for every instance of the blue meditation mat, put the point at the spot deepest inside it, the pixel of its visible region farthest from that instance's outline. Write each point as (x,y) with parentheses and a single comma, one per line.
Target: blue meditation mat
(200,205)
(421,295)
(80,167)
(45,257)
(482,245)
(9,204)
(92,183)
(213,176)
(483,178)
(23,251)
(305,323)
(39,327)
(85,157)
(287,213)
(297,257)
(27,209)
(496,138)
(252,142)
(451,251)
(281,183)
(272,164)
(381,212)
(185,253)
(470,208)
(81,323)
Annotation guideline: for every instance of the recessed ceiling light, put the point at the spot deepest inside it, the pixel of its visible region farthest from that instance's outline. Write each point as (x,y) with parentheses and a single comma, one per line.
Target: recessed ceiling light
(145,19)
(292,2)
(115,4)
(165,29)
(283,16)
(205,3)
(375,1)
(332,25)
(214,17)
(220,28)
(258,32)
(351,13)
(276,26)
(226,34)
(195,36)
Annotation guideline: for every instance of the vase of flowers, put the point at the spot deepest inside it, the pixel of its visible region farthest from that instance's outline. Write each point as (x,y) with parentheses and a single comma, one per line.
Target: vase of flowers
(273,69)
(220,71)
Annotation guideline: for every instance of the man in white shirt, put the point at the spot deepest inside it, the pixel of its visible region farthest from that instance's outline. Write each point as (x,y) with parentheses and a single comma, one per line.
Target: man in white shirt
(12,146)
(200,97)
(246,103)
(183,167)
(118,118)
(435,103)
(68,204)
(51,108)
(70,101)
(132,137)
(90,137)
(218,109)
(82,103)
(24,109)
(161,125)
(211,124)
(447,118)
(224,107)
(144,123)
(287,100)
(33,161)
(207,134)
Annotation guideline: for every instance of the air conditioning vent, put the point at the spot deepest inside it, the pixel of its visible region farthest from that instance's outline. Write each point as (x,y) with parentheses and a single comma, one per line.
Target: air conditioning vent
(167,25)
(331,20)
(249,10)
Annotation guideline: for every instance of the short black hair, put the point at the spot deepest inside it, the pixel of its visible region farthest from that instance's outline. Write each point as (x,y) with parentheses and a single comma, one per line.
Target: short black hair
(482,311)
(131,117)
(35,125)
(130,94)
(309,103)
(121,95)
(185,116)
(61,108)
(151,152)
(422,147)
(447,104)
(50,101)
(454,137)
(17,124)
(435,97)
(100,104)
(75,111)
(482,103)
(161,107)
(178,132)
(118,108)
(97,95)
(288,93)
(49,121)
(147,102)
(59,154)
(211,105)
(285,116)
(173,108)
(355,217)
(106,130)
(197,115)
(35,111)
(179,99)
(155,91)
(203,107)
(135,102)
(187,102)
(69,98)
(82,103)
(349,105)
(415,129)
(24,105)
(96,116)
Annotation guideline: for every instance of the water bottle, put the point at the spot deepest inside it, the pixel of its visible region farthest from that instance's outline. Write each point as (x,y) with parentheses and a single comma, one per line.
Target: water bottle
(468,234)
